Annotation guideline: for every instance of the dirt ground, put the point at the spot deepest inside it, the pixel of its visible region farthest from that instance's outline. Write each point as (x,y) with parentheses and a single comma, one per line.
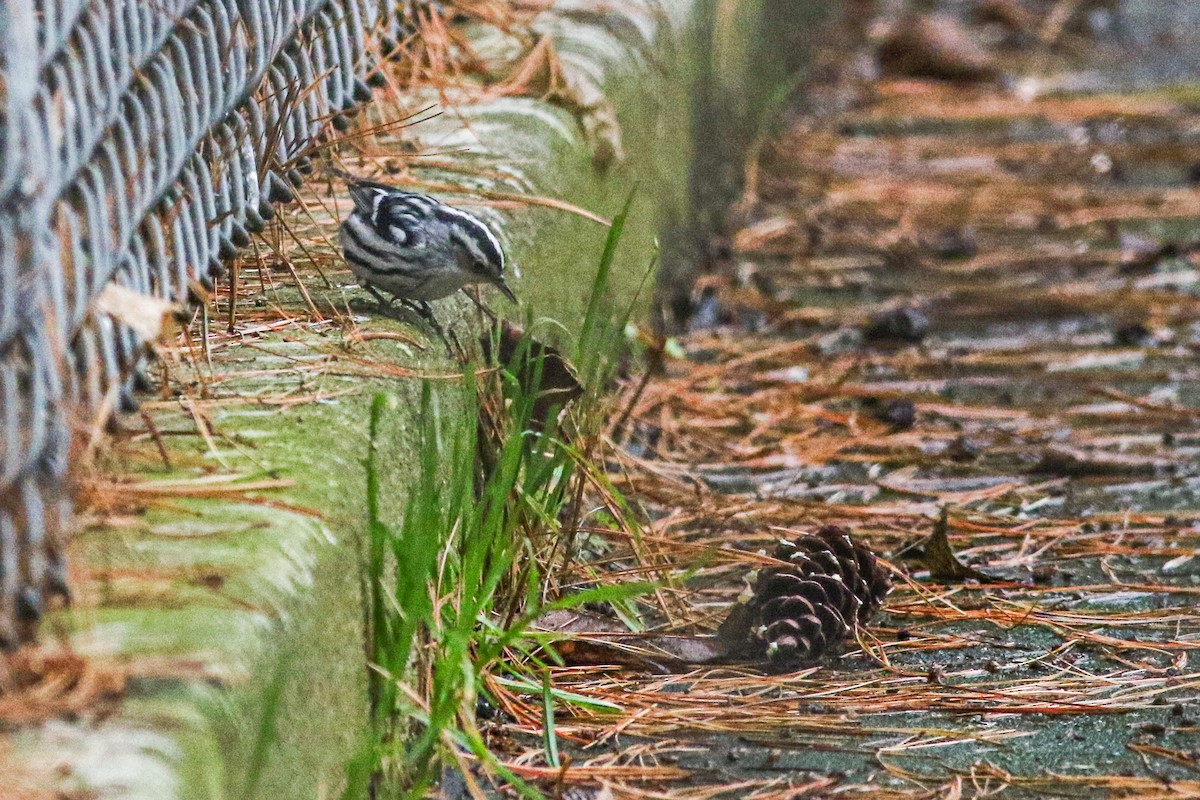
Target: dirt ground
(976,295)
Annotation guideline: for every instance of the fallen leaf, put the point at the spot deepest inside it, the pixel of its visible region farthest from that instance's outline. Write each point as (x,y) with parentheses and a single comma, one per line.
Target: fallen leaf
(145,314)
(1078,463)
(940,559)
(542,74)
(593,640)
(935,46)
(557,387)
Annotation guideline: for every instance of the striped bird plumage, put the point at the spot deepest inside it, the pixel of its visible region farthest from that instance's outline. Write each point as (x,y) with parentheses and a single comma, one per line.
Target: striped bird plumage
(415,247)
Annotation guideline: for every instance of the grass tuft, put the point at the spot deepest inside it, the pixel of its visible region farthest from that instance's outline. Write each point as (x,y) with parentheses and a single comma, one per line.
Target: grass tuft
(452,591)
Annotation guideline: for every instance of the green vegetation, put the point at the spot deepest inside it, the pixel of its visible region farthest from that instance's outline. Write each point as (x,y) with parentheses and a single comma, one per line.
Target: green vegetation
(451,590)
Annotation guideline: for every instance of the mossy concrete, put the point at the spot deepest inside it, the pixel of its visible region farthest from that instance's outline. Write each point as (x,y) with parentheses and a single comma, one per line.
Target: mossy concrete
(238,615)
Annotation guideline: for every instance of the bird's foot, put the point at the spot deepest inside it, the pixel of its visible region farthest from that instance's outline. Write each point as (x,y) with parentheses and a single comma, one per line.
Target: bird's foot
(379,298)
(454,347)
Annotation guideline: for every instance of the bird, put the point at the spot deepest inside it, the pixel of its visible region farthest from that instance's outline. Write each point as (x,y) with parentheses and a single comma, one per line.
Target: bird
(416,248)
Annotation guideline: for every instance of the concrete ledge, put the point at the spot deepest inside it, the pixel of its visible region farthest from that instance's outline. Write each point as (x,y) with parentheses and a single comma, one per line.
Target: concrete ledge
(235,611)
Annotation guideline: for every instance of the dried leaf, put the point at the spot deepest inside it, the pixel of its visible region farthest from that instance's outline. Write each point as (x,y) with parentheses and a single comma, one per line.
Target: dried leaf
(558,385)
(144,313)
(542,74)
(1076,462)
(940,559)
(37,684)
(935,46)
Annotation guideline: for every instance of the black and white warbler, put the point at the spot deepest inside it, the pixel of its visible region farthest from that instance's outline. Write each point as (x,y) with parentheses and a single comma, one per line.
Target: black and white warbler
(416,248)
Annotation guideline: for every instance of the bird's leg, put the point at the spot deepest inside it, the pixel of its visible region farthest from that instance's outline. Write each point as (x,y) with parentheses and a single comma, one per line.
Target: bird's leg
(462,354)
(473,293)
(378,297)
(425,311)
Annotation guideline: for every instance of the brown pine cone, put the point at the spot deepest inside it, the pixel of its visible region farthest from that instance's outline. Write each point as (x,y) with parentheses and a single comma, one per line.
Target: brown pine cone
(800,612)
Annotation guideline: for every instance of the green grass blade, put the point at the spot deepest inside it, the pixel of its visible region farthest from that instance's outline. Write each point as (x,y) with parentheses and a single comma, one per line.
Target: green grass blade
(600,282)
(549,737)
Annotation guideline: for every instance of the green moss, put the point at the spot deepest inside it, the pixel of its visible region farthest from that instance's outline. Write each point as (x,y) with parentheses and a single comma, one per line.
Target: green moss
(262,592)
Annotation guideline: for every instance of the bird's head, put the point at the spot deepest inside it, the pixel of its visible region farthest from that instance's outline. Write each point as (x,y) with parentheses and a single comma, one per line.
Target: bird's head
(480,254)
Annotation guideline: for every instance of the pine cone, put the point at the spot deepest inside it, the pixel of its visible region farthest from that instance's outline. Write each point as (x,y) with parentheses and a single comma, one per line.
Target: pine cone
(800,612)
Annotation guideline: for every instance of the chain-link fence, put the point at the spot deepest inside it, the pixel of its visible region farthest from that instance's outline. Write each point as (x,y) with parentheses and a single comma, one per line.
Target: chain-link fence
(141,142)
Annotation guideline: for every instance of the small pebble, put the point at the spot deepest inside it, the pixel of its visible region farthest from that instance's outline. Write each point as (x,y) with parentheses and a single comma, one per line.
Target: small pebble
(1134,335)
(965,448)
(1044,573)
(902,324)
(955,243)
(900,414)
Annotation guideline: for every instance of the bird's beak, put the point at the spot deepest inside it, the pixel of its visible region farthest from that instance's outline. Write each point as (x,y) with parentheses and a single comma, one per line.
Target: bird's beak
(504,290)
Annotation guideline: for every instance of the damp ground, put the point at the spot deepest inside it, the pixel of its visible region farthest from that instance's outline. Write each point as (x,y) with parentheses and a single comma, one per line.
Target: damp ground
(978,297)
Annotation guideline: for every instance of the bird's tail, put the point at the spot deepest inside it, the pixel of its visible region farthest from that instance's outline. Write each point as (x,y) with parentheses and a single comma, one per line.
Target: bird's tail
(353,180)
(364,192)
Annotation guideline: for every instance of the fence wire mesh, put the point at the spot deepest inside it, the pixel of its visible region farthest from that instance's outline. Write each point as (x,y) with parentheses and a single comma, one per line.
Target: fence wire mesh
(140,145)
